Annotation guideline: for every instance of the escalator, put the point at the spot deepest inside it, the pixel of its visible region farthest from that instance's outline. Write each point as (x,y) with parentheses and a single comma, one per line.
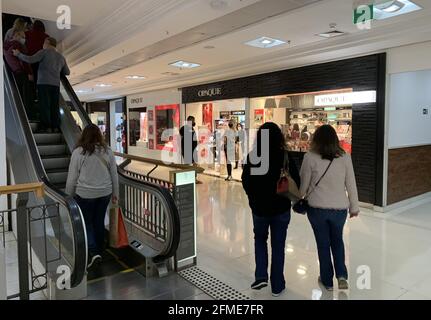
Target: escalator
(151,215)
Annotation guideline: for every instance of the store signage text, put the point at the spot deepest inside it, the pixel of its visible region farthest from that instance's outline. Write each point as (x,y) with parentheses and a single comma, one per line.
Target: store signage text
(343,99)
(137,100)
(210,92)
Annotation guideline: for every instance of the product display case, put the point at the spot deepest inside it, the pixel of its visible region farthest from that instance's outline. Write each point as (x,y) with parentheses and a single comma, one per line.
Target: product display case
(303,124)
(138,127)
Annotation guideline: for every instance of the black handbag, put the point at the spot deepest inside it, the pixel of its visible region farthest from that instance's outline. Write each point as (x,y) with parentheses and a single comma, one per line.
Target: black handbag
(302,205)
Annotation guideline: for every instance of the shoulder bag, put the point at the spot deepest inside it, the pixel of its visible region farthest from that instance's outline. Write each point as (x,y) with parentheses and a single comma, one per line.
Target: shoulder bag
(286,186)
(302,205)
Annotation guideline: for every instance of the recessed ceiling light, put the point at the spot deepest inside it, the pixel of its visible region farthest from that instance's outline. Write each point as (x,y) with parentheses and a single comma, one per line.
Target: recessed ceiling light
(384,9)
(332,33)
(103,85)
(185,65)
(135,77)
(266,42)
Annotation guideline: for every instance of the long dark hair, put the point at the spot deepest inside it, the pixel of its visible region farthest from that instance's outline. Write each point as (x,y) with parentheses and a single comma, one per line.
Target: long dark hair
(326,143)
(91,138)
(277,142)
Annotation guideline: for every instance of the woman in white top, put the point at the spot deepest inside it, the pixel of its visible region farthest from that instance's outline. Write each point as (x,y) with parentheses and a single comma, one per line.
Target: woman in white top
(329,202)
(93,181)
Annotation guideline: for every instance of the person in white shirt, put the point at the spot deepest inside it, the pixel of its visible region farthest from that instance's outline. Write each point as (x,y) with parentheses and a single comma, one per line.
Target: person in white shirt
(326,174)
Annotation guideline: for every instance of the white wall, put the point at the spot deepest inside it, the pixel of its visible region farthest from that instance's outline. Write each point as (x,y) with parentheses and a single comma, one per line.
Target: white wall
(410,93)
(409,58)
(150,100)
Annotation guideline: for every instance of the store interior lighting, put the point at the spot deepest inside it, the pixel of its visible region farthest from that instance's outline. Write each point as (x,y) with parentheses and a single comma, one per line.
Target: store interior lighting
(285,103)
(185,65)
(270,103)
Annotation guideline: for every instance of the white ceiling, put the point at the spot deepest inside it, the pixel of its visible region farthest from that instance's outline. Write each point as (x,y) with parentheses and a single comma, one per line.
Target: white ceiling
(83,11)
(230,58)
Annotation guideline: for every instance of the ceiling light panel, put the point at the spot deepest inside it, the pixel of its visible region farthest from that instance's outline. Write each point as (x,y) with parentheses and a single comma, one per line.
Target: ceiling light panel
(266,42)
(393,8)
(185,65)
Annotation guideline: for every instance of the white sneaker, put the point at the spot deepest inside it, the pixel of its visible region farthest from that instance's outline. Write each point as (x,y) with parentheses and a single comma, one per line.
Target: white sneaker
(277,294)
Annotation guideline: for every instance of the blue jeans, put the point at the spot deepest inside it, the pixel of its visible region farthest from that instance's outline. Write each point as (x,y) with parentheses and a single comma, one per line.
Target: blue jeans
(94,211)
(328,228)
(278,225)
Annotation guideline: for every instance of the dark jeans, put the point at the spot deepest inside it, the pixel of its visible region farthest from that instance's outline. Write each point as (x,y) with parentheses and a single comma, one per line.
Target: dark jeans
(26,93)
(94,211)
(49,106)
(278,225)
(328,229)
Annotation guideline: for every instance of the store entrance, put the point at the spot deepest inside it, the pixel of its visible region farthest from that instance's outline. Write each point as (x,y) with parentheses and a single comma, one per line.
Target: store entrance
(299,115)
(212,126)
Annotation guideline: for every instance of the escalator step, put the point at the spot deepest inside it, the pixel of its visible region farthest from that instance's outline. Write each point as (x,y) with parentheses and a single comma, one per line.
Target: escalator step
(48,138)
(34,126)
(52,149)
(54,162)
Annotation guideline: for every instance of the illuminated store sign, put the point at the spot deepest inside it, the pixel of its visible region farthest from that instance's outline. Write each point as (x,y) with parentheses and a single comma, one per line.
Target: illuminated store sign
(210,92)
(343,99)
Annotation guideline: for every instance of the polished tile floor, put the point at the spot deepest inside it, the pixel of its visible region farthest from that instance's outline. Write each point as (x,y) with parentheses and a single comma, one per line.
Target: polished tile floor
(394,248)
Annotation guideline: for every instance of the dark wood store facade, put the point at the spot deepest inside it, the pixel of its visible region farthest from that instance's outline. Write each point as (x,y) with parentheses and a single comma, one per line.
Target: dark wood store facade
(368,120)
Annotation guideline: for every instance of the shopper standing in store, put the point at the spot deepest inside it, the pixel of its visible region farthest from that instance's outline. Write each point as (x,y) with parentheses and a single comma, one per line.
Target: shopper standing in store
(271,211)
(189,143)
(52,65)
(93,181)
(329,203)
(230,141)
(240,147)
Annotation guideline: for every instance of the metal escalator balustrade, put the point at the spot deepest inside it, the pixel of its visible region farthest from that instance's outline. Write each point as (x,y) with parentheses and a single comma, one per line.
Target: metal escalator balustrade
(151,215)
(29,155)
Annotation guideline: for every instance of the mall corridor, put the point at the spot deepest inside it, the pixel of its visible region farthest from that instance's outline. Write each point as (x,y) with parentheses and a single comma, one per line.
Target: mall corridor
(394,246)
(149,147)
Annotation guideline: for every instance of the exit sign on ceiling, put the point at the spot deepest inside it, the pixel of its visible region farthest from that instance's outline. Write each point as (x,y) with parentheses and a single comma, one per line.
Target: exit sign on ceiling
(363,13)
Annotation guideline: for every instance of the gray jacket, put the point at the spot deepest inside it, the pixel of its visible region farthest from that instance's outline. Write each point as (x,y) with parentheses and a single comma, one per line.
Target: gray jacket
(52,65)
(94,176)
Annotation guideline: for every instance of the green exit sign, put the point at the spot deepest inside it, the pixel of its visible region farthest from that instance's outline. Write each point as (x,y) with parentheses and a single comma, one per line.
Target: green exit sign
(363,14)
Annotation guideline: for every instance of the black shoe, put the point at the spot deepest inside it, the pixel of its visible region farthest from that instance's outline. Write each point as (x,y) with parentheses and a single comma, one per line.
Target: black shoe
(94,260)
(259,284)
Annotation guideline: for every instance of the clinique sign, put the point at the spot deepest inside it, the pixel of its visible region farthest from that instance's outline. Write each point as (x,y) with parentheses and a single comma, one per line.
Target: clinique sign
(210,92)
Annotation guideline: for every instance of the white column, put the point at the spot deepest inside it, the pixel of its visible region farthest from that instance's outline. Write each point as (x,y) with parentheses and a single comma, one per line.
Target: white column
(3,181)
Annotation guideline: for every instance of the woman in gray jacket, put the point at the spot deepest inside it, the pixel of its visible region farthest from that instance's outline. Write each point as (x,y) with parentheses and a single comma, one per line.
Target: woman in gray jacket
(326,174)
(93,181)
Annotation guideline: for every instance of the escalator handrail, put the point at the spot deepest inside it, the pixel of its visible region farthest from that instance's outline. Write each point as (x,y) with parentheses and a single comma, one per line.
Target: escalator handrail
(165,193)
(76,103)
(76,218)
(172,211)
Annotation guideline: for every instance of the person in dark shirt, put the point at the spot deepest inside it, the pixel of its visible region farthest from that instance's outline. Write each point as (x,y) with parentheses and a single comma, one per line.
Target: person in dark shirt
(270,210)
(22,71)
(189,141)
(35,38)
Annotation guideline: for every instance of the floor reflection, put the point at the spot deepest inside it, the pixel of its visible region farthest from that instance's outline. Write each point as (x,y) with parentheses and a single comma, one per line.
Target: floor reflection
(392,247)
